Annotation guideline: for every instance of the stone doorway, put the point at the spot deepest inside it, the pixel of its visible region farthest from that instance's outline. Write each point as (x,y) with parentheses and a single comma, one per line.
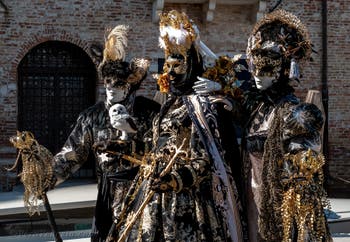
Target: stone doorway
(56,81)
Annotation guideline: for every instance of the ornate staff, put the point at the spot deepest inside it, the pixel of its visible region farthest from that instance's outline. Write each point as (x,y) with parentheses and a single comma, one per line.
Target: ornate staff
(36,175)
(167,169)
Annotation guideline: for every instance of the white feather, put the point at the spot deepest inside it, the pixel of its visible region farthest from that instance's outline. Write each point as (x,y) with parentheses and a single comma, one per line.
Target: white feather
(175,36)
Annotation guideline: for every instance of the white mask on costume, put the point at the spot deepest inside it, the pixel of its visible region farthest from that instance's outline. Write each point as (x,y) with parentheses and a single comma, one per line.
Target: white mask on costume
(117,94)
(263,82)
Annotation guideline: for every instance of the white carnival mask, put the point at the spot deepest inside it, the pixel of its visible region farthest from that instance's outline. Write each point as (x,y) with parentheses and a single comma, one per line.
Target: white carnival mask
(116,94)
(263,82)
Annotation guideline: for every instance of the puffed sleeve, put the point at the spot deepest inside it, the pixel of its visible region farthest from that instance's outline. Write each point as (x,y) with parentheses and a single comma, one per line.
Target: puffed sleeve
(301,128)
(301,140)
(75,150)
(303,196)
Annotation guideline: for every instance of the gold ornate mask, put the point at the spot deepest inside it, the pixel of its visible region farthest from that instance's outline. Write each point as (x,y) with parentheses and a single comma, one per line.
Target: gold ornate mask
(176,69)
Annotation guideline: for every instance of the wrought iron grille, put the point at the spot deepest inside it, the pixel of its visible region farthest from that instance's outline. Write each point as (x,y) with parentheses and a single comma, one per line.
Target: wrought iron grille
(56,81)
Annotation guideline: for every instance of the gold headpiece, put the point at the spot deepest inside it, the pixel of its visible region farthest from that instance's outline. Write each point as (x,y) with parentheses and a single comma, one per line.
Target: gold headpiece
(286,31)
(177,33)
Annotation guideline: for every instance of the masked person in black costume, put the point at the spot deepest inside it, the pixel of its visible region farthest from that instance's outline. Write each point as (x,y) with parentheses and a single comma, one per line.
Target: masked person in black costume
(194,198)
(112,131)
(281,145)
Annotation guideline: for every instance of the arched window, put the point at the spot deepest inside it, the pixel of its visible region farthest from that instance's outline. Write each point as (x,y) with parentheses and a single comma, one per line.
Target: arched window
(56,81)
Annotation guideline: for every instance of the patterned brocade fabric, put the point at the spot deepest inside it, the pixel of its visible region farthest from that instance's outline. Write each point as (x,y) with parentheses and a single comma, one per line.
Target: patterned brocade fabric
(191,212)
(283,161)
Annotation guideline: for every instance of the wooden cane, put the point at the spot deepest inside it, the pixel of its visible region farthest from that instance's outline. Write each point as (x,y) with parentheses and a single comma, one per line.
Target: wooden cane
(51,218)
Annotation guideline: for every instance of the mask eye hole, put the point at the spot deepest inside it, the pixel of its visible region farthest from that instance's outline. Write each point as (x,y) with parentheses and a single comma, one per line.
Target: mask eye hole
(120,84)
(267,69)
(108,81)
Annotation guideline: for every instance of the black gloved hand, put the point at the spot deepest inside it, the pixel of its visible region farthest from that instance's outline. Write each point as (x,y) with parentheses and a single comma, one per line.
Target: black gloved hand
(164,184)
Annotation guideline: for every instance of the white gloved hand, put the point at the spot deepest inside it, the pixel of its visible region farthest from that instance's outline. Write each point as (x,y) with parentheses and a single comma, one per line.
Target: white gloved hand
(205,86)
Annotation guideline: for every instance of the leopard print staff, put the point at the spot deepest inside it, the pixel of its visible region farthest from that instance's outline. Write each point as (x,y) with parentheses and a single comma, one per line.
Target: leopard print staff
(36,174)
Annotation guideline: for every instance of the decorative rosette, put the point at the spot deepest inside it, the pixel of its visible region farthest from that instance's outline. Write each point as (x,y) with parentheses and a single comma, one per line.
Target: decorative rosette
(163,82)
(224,72)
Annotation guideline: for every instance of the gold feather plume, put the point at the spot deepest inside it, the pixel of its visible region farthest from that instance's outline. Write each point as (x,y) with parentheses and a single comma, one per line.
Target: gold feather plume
(116,43)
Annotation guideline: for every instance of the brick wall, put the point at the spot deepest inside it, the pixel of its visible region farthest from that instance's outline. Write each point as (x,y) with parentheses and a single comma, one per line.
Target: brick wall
(78,22)
(83,23)
(339,92)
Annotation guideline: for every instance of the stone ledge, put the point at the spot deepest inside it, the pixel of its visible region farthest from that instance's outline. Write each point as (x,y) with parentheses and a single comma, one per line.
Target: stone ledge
(69,195)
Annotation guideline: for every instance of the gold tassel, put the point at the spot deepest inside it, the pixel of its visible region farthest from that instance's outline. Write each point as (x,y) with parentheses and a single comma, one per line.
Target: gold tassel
(303,202)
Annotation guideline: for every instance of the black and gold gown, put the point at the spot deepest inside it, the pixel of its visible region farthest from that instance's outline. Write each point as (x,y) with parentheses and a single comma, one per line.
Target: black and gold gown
(205,205)
(283,168)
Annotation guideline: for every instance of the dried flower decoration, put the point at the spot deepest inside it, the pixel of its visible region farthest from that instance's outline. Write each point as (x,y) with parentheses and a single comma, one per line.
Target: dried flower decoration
(163,82)
(224,72)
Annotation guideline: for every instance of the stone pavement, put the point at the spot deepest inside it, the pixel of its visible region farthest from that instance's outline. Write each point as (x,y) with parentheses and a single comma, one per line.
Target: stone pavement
(80,194)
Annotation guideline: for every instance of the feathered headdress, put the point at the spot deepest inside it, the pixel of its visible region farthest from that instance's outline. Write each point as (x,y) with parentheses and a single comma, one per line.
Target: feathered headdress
(178,36)
(177,33)
(114,64)
(116,43)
